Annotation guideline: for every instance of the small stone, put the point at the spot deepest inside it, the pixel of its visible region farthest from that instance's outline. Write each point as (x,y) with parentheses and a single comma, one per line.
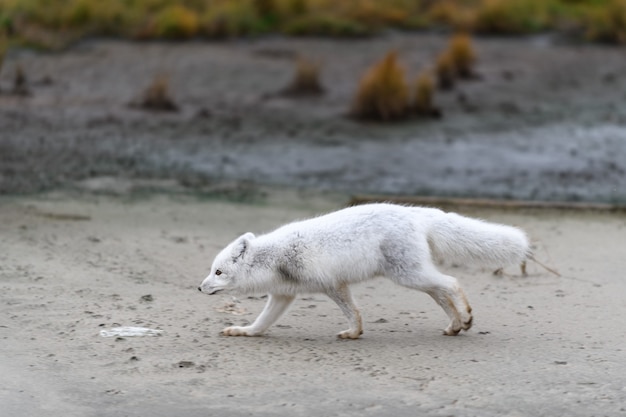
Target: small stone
(185,364)
(147,298)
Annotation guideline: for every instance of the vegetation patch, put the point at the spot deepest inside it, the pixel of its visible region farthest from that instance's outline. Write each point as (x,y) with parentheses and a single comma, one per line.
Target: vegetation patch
(227,19)
(325,24)
(383,93)
(515,16)
(4,45)
(156,97)
(462,55)
(445,71)
(597,20)
(306,79)
(175,22)
(423,102)
(607,24)
(20,83)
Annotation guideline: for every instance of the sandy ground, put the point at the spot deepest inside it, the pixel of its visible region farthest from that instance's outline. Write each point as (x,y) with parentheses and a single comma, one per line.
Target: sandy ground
(545,121)
(73,265)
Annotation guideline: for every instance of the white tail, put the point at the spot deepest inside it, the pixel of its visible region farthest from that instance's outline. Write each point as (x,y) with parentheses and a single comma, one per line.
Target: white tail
(461,239)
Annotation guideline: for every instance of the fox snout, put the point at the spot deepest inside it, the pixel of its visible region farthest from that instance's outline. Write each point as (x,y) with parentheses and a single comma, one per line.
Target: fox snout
(209,290)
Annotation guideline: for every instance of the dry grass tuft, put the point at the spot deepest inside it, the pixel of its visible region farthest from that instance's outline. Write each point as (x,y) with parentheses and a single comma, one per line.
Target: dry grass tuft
(445,71)
(383,93)
(423,104)
(457,61)
(20,82)
(306,79)
(462,55)
(156,97)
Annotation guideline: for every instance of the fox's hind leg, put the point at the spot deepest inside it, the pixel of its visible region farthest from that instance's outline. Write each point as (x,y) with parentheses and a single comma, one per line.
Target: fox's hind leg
(342,296)
(452,299)
(445,290)
(276,305)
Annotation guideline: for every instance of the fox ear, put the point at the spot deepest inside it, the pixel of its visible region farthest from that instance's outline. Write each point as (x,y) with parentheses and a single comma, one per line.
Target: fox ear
(241,245)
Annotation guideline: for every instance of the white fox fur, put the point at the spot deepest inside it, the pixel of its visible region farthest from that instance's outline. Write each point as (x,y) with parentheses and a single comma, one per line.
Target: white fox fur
(328,253)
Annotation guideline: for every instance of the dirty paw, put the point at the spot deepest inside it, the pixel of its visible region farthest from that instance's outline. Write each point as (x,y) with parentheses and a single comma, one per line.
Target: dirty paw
(350,334)
(451,331)
(456,326)
(467,324)
(453,328)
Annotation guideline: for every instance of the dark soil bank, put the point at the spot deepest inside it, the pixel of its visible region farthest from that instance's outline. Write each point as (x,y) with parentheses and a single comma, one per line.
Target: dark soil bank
(544,121)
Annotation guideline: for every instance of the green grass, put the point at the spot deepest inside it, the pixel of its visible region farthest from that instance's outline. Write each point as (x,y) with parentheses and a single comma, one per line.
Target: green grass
(55,21)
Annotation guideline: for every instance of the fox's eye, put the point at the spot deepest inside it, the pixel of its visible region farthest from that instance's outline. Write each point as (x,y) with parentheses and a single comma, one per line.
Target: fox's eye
(218,272)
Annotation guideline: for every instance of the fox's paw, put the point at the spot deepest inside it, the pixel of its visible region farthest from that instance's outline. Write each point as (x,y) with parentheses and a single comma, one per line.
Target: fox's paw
(238,331)
(350,334)
(467,324)
(456,326)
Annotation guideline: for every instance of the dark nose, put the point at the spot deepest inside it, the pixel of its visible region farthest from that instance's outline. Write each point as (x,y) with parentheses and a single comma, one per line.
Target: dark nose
(200,289)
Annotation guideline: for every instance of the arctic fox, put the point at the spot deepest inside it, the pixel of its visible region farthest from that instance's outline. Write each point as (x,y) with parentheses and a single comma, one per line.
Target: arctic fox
(328,253)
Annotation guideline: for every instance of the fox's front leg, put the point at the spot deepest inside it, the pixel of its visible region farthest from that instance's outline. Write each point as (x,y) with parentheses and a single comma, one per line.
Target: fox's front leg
(276,305)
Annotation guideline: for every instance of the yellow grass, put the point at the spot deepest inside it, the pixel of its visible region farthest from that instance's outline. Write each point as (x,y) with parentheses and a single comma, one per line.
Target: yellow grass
(306,78)
(462,54)
(424,95)
(157,96)
(383,93)
(20,82)
(445,71)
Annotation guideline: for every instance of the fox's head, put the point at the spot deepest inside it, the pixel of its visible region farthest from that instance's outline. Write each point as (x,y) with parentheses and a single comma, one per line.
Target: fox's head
(227,266)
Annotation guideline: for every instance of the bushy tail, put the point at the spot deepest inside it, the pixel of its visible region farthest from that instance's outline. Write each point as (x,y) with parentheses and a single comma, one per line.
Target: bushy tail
(460,239)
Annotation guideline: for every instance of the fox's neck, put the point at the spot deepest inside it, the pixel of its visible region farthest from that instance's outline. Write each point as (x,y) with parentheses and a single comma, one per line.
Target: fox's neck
(260,268)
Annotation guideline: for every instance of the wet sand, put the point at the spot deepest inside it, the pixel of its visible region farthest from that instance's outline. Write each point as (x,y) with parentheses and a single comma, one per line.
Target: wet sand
(544,121)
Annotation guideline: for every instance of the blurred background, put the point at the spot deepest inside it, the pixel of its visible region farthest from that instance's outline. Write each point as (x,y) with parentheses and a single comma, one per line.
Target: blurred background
(504,99)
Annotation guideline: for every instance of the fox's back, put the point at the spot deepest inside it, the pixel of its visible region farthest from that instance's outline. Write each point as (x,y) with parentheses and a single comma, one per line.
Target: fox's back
(352,244)
(358,236)
(381,220)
